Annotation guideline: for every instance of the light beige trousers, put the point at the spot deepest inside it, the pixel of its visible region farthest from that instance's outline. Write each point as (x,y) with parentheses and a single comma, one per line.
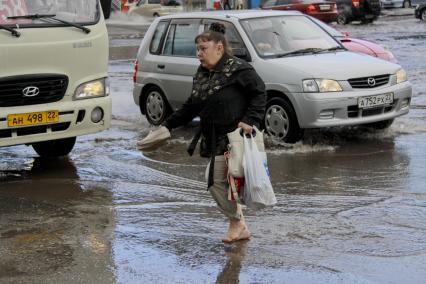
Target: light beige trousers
(219,189)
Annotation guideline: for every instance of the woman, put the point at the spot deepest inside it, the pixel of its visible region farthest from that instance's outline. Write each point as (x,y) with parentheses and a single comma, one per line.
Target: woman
(227,93)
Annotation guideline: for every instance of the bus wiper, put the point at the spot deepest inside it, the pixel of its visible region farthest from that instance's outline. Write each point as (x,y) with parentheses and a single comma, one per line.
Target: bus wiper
(11,30)
(51,17)
(300,51)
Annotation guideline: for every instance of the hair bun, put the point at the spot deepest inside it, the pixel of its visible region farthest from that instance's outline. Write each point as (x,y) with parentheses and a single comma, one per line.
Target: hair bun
(217,27)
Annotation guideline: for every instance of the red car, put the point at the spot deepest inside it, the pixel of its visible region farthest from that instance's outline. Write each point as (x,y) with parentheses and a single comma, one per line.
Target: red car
(325,11)
(359,45)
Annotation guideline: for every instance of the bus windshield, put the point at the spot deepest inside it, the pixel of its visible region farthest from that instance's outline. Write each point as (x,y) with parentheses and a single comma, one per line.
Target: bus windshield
(76,11)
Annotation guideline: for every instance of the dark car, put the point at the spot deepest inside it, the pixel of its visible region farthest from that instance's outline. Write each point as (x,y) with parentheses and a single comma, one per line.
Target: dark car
(325,11)
(420,12)
(365,11)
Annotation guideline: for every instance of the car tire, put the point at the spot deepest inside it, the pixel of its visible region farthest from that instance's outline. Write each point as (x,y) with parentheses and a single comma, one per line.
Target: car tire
(406,4)
(380,124)
(342,18)
(280,121)
(54,148)
(156,106)
(423,15)
(156,15)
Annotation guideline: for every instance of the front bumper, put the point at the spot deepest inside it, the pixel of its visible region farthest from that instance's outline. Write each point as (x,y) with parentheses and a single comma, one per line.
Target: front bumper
(316,110)
(71,121)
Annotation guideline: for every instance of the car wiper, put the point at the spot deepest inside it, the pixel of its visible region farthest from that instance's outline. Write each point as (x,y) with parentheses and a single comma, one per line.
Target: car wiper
(11,30)
(334,48)
(300,51)
(50,17)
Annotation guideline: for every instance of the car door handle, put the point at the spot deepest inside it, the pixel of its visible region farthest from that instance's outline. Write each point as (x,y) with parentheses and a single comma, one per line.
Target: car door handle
(161,66)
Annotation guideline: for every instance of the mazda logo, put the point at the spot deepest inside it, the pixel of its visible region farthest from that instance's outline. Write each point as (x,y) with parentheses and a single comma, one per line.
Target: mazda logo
(371,82)
(30,91)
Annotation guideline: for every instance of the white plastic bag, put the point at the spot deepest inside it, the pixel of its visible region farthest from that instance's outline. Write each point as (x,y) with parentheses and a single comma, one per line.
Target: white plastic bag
(258,191)
(236,150)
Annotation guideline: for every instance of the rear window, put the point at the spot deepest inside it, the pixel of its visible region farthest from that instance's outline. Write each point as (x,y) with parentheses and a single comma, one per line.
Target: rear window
(160,30)
(180,39)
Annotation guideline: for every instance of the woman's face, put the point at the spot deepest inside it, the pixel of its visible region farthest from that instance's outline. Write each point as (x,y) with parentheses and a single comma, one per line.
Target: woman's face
(209,53)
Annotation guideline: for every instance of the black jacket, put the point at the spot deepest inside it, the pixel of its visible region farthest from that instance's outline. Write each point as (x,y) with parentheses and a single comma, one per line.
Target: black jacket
(222,97)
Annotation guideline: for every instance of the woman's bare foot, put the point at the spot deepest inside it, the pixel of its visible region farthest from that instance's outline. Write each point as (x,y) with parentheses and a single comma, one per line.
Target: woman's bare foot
(237,231)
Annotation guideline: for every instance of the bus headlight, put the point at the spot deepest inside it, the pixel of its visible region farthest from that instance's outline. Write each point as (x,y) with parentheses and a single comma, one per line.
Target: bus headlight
(92,89)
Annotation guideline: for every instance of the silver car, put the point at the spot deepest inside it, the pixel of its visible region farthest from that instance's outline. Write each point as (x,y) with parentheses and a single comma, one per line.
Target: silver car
(312,81)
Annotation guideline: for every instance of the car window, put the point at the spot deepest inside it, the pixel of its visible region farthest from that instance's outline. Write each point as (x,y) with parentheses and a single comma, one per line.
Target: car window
(269,3)
(231,34)
(160,30)
(154,1)
(283,2)
(180,39)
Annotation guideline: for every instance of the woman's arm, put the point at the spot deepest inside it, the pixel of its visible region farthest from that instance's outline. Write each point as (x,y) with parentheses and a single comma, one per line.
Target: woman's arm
(254,89)
(184,115)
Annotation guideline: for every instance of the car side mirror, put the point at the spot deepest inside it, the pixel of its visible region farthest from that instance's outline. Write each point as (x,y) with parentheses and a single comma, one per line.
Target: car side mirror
(241,53)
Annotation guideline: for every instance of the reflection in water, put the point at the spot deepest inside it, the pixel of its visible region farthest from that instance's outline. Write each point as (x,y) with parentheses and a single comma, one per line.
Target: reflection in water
(235,254)
(50,227)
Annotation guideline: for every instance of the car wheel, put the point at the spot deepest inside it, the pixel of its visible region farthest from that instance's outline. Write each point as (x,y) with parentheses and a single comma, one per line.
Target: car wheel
(342,18)
(156,15)
(54,148)
(406,4)
(156,106)
(380,124)
(423,15)
(281,121)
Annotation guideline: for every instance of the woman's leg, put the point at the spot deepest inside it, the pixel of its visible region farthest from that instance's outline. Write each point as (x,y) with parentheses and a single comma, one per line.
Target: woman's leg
(237,227)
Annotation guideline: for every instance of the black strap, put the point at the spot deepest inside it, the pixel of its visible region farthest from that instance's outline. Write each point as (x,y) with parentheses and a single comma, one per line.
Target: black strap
(210,181)
(193,145)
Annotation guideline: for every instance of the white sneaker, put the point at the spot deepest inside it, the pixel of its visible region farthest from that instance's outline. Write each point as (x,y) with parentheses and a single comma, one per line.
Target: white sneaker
(154,138)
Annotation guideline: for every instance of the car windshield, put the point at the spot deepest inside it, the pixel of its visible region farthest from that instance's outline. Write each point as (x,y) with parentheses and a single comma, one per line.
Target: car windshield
(278,36)
(76,11)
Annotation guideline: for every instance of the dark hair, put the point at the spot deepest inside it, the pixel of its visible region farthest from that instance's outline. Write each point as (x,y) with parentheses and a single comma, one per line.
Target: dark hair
(216,33)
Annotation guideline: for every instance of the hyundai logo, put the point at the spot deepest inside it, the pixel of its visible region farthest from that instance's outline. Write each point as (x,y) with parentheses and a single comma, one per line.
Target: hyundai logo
(371,82)
(30,91)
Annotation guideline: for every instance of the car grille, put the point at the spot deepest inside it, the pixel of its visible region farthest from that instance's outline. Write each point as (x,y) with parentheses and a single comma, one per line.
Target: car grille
(354,111)
(51,87)
(369,82)
(30,130)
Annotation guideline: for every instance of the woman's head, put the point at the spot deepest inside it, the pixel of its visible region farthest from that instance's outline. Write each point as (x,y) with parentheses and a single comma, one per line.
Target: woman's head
(211,45)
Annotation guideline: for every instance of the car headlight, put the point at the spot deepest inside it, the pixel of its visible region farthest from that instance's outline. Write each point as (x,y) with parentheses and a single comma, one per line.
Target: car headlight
(401,76)
(92,89)
(321,85)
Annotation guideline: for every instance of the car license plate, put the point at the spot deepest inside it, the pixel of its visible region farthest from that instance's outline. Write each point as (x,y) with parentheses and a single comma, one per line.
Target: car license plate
(32,118)
(324,7)
(377,100)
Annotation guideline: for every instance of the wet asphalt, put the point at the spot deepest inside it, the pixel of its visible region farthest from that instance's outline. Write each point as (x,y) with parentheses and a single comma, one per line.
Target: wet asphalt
(351,202)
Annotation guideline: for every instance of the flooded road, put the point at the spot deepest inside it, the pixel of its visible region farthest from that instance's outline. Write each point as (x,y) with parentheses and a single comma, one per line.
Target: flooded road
(351,203)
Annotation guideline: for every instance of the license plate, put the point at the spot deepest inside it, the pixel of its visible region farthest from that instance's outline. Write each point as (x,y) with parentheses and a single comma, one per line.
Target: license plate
(32,118)
(377,100)
(324,7)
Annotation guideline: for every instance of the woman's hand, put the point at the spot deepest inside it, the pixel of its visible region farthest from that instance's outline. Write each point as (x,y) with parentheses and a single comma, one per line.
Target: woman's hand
(246,128)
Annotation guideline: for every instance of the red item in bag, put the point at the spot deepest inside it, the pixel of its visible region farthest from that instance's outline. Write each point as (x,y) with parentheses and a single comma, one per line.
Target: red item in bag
(236,185)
